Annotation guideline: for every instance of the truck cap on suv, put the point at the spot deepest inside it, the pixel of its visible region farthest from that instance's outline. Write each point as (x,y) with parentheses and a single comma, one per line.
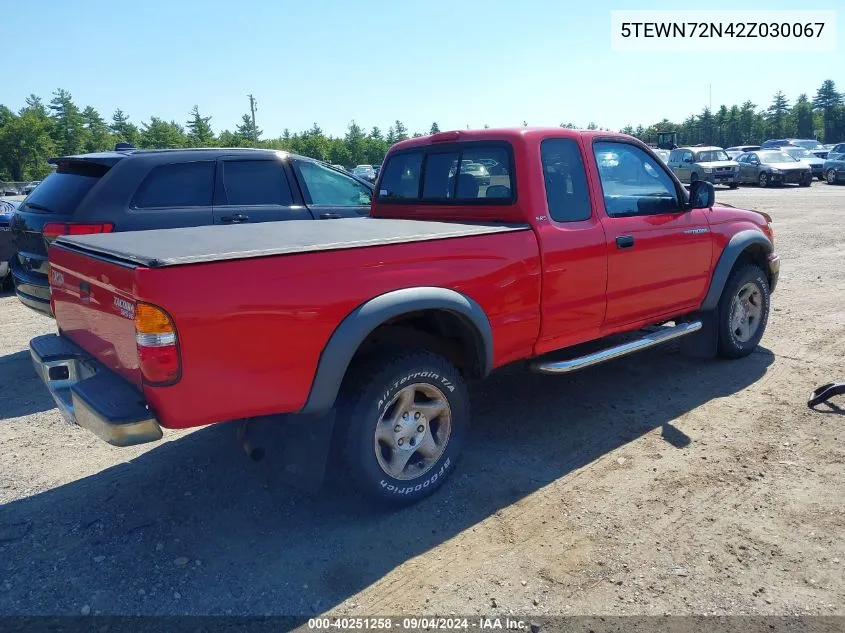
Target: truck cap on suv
(130,189)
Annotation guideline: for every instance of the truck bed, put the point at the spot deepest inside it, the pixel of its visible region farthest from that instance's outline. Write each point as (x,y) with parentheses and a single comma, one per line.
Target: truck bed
(174,247)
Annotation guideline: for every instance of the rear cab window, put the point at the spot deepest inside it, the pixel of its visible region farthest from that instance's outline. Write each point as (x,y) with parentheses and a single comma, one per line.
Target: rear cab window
(177,185)
(475,172)
(567,192)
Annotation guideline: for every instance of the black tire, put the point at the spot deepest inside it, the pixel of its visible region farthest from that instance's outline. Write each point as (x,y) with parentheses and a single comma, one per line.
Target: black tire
(371,395)
(731,344)
(733,185)
(806,181)
(830,176)
(763,180)
(693,177)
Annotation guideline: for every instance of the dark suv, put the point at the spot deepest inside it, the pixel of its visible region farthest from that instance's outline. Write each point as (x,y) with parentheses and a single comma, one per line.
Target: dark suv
(134,190)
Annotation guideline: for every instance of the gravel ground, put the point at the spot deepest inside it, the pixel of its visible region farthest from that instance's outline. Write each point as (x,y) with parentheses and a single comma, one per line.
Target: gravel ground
(656,484)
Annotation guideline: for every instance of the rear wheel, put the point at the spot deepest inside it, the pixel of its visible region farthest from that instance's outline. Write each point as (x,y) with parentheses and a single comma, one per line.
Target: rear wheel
(733,185)
(830,176)
(743,311)
(763,180)
(693,177)
(407,417)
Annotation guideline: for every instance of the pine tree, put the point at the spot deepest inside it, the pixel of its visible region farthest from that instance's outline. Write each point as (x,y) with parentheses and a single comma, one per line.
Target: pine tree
(400,131)
(123,130)
(776,115)
(68,124)
(435,129)
(200,133)
(828,99)
(98,137)
(159,134)
(247,131)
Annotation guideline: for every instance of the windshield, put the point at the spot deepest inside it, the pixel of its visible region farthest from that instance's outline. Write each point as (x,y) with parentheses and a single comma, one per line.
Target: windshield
(776,157)
(809,144)
(799,152)
(711,156)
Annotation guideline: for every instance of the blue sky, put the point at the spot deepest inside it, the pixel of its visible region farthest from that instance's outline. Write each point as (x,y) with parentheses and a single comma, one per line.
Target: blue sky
(455,62)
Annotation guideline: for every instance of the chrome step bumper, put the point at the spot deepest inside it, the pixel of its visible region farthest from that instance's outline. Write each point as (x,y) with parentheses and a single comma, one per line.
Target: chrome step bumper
(92,396)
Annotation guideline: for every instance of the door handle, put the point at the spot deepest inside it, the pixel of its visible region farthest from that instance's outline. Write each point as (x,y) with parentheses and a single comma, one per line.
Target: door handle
(329,216)
(624,241)
(235,219)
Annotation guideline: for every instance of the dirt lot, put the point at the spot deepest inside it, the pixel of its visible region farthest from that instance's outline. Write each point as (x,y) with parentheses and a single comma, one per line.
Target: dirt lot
(655,484)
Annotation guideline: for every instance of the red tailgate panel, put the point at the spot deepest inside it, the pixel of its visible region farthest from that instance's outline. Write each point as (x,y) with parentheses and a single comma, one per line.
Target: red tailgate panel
(94,304)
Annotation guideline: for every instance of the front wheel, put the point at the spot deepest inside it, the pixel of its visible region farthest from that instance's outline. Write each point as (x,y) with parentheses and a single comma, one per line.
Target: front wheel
(830,176)
(763,180)
(743,311)
(806,181)
(407,418)
(733,185)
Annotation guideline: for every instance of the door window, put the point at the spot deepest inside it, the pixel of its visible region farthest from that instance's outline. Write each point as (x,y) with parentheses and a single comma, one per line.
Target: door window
(177,185)
(635,184)
(324,186)
(566,181)
(255,182)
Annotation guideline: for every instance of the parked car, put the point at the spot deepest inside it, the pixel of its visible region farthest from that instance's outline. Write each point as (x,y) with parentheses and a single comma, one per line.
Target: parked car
(7,248)
(733,152)
(477,171)
(812,145)
(775,143)
(711,164)
(807,143)
(773,167)
(806,156)
(662,154)
(834,166)
(29,187)
(184,327)
(365,172)
(152,189)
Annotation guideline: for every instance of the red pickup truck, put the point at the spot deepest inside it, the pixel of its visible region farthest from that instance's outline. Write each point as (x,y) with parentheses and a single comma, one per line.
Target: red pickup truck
(482,248)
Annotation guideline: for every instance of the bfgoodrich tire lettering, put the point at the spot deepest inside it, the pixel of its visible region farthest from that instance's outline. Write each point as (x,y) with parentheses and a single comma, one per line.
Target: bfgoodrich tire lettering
(743,311)
(407,417)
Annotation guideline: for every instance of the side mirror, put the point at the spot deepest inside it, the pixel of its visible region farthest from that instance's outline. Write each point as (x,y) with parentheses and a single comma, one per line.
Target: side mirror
(702,195)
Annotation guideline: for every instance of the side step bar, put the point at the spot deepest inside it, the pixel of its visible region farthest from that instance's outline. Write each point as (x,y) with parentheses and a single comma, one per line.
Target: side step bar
(649,340)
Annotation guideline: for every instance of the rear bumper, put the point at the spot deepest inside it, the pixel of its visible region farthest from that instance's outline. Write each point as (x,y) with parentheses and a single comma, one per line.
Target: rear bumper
(33,290)
(92,396)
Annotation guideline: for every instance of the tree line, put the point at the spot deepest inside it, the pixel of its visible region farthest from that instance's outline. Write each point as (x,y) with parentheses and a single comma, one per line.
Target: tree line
(60,127)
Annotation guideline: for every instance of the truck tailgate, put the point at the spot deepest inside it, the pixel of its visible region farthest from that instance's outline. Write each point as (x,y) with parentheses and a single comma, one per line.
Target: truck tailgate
(94,306)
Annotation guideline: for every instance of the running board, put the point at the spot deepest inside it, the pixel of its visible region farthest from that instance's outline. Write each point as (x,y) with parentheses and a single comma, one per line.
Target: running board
(649,340)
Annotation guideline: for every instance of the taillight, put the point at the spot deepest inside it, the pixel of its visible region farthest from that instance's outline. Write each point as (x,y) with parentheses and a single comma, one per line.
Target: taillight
(158,346)
(54,229)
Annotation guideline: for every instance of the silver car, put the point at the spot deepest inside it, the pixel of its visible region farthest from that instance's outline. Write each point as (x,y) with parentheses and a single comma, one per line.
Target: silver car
(773,167)
(711,164)
(806,156)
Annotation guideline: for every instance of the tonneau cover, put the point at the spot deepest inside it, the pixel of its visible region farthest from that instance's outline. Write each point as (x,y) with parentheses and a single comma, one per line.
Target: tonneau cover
(172,247)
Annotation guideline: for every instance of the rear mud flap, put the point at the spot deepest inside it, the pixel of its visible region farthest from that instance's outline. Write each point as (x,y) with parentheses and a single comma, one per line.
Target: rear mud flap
(292,449)
(704,343)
